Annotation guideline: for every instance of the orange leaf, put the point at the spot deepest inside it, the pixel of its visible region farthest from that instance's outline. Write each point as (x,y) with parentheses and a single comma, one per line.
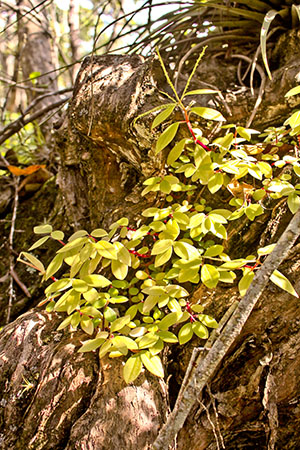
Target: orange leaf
(27,171)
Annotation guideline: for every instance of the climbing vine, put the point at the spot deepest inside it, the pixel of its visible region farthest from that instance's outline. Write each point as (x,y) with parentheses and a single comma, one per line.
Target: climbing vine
(130,287)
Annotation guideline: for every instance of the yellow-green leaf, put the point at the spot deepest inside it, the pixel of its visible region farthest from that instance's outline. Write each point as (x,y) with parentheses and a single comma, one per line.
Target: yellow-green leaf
(132,368)
(36,263)
(43,229)
(120,323)
(166,137)
(57,235)
(245,282)
(280,280)
(200,330)
(185,333)
(209,275)
(96,280)
(153,364)
(91,344)
(119,269)
(163,115)
(54,266)
(87,325)
(39,243)
(176,152)
(208,113)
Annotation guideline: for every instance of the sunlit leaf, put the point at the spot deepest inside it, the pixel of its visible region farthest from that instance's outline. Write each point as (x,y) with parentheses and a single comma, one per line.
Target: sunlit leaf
(39,243)
(185,333)
(166,137)
(43,229)
(132,368)
(245,282)
(163,115)
(200,330)
(209,275)
(96,280)
(280,280)
(153,364)
(91,345)
(208,113)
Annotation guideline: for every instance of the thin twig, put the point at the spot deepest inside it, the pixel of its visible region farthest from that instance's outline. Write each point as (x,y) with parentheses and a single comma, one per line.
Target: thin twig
(11,291)
(18,124)
(261,88)
(208,366)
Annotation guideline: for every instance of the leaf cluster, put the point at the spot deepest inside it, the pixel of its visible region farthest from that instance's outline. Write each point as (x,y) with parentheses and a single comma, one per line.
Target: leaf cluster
(130,288)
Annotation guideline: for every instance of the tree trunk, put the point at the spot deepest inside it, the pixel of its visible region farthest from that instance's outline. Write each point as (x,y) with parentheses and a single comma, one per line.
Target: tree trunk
(56,398)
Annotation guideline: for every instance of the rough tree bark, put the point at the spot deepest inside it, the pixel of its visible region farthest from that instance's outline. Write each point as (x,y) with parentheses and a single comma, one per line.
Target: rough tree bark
(76,402)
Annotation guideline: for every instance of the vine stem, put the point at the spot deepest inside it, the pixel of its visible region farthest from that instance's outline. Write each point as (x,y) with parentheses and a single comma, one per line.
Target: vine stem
(209,364)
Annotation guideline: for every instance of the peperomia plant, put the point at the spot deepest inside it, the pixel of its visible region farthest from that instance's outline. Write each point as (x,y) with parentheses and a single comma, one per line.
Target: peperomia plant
(130,287)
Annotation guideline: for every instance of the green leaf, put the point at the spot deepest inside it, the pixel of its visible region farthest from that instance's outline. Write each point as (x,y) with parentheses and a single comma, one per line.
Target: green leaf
(148,340)
(168,321)
(280,280)
(227,277)
(90,311)
(123,254)
(150,302)
(245,282)
(208,113)
(54,266)
(124,341)
(163,115)
(80,285)
(185,333)
(106,249)
(234,264)
(36,263)
(153,364)
(163,257)
(293,202)
(109,314)
(161,246)
(39,243)
(209,275)
(76,243)
(58,286)
(208,321)
(266,250)
(214,250)
(43,229)
(87,325)
(64,323)
(176,152)
(57,235)
(165,187)
(119,269)
(196,220)
(96,280)
(91,344)
(166,137)
(132,368)
(120,323)
(99,232)
(105,347)
(201,92)
(167,336)
(215,182)
(200,330)
(294,91)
